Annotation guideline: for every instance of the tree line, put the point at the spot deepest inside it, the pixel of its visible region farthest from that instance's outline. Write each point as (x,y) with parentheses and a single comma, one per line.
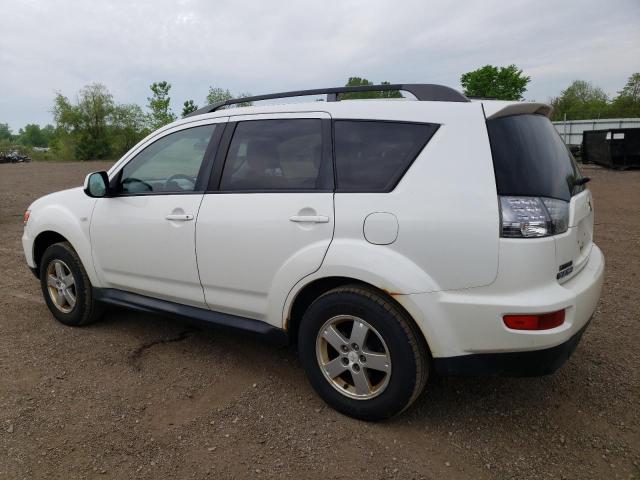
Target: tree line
(579,101)
(96,127)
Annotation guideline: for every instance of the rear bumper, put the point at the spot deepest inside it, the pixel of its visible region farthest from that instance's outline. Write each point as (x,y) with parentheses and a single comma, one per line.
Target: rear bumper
(532,363)
(465,329)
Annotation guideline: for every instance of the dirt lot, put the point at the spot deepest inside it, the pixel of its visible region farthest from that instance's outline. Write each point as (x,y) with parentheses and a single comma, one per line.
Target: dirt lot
(141,396)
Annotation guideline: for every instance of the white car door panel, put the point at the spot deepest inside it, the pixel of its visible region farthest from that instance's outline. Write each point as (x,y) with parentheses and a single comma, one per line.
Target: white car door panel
(241,254)
(136,248)
(143,237)
(253,244)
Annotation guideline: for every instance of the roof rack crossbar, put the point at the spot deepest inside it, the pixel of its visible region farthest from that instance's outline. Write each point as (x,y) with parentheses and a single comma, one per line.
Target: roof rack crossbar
(422,92)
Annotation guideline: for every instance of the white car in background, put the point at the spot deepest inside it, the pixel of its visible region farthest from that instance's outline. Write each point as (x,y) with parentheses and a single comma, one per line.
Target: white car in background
(389,239)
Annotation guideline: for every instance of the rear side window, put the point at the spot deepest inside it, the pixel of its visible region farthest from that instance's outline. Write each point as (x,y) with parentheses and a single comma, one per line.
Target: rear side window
(372,156)
(530,158)
(277,155)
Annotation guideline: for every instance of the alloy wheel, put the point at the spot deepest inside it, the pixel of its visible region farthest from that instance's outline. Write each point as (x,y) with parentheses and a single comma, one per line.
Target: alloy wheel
(61,285)
(353,357)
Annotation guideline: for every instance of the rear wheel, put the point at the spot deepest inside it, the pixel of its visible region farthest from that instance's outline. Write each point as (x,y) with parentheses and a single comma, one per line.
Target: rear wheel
(66,286)
(362,354)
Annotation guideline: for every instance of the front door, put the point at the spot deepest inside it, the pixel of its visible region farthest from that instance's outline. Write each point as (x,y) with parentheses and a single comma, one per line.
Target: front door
(269,220)
(143,237)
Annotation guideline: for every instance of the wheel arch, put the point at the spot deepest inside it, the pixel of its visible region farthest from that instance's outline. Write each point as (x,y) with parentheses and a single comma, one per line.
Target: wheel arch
(308,293)
(61,216)
(43,241)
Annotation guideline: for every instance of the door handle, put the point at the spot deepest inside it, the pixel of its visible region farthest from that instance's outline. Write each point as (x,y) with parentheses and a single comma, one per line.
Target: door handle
(309,219)
(179,217)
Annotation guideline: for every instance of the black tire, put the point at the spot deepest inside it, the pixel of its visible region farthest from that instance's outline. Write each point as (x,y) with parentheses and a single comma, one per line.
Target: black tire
(85,310)
(406,348)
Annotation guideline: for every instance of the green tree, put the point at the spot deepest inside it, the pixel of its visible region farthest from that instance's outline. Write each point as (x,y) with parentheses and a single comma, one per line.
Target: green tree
(64,113)
(32,136)
(503,83)
(129,126)
(5,132)
(65,117)
(627,103)
(159,104)
(188,107)
(580,100)
(360,82)
(95,108)
(84,130)
(244,95)
(217,94)
(48,131)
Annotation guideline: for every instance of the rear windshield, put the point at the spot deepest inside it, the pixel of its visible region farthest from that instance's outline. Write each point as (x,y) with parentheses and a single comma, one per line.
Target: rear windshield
(530,158)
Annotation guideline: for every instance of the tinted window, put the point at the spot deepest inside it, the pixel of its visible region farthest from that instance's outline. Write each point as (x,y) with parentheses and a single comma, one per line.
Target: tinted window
(373,156)
(169,165)
(276,155)
(530,158)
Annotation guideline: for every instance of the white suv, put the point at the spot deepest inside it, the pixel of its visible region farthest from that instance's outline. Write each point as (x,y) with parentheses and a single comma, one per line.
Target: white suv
(389,239)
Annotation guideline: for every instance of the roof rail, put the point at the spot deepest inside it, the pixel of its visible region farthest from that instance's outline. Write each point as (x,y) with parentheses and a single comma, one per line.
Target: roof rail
(479,97)
(422,92)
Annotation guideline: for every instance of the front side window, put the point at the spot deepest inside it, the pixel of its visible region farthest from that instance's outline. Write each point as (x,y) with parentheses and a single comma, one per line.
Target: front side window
(277,155)
(372,156)
(169,165)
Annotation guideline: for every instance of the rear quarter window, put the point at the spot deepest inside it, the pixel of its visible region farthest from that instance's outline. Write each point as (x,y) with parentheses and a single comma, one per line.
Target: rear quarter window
(372,156)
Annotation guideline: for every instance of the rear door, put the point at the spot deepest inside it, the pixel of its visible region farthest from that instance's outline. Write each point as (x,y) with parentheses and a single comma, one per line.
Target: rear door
(267,219)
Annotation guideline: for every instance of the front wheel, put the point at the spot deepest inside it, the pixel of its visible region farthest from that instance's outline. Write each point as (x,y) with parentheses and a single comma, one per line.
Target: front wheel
(362,354)
(66,286)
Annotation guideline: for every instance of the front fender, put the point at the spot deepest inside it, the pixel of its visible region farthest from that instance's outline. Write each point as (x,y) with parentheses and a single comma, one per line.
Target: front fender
(67,213)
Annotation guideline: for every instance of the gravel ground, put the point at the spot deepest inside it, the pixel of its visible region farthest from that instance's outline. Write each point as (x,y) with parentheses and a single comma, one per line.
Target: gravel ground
(141,396)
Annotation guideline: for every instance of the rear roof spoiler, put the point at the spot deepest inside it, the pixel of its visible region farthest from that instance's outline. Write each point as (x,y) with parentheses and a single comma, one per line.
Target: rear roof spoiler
(422,92)
(497,108)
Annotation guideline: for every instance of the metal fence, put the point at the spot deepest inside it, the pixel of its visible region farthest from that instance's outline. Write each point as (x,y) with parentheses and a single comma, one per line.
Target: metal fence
(571,130)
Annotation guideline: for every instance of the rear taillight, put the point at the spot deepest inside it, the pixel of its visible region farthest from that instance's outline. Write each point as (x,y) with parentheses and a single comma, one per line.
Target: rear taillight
(530,217)
(542,321)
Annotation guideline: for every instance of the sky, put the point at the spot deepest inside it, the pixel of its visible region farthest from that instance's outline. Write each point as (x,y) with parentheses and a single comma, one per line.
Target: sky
(269,46)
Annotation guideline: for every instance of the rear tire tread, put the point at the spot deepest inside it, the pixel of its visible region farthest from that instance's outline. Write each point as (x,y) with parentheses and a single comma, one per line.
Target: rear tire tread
(414,336)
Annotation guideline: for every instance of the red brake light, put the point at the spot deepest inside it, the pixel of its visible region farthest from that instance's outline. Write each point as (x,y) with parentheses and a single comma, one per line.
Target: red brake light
(542,321)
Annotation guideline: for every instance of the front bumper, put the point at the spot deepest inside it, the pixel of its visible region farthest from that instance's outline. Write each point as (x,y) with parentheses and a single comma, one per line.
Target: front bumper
(27,247)
(465,330)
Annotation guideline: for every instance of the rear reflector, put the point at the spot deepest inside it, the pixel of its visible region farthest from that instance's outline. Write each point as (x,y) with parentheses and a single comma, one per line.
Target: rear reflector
(542,321)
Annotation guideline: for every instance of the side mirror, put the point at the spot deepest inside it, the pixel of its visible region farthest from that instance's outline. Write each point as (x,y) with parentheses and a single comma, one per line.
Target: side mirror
(96,184)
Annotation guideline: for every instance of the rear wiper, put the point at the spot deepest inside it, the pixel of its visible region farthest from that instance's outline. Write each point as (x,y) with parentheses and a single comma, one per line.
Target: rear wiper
(582,181)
